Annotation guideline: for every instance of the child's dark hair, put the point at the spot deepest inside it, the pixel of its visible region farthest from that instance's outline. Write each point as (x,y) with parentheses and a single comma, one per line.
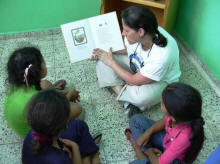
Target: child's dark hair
(47,114)
(19,61)
(184,103)
(140,16)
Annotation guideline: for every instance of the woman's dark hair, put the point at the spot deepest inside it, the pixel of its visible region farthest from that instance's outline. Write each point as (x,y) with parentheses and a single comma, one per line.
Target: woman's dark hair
(184,103)
(47,114)
(19,61)
(140,16)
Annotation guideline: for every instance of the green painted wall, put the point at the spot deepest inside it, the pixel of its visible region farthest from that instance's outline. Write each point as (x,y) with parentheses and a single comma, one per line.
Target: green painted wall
(31,15)
(198,25)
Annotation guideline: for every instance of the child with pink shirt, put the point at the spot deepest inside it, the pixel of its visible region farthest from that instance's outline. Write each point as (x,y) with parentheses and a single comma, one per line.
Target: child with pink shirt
(175,139)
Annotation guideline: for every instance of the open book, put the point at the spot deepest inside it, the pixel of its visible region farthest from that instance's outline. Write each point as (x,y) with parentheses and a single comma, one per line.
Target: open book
(82,36)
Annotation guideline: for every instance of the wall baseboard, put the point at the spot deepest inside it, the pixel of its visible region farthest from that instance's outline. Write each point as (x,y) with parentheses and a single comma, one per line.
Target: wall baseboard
(211,80)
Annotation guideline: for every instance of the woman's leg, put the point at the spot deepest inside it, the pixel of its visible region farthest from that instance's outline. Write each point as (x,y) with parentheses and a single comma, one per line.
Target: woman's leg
(117,89)
(107,77)
(143,96)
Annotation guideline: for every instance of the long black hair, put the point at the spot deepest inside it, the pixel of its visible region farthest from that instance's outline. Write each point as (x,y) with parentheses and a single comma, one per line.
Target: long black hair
(47,114)
(140,16)
(19,61)
(184,103)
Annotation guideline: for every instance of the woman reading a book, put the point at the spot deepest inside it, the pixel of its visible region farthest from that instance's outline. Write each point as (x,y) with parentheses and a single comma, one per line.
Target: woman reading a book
(151,61)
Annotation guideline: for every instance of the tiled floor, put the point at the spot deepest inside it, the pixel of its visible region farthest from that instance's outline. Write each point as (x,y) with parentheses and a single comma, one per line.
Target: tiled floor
(102,112)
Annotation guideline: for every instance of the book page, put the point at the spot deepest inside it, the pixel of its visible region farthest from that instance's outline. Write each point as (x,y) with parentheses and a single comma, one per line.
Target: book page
(78,40)
(106,32)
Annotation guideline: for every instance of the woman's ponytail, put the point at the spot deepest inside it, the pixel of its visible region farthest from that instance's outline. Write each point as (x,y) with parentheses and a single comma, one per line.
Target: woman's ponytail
(197,140)
(159,39)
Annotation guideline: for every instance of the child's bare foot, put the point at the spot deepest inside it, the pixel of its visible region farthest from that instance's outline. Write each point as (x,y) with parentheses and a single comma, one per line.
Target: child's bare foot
(129,136)
(97,138)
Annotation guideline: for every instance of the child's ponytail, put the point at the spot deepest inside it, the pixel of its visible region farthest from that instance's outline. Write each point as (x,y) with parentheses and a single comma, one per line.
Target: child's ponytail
(33,76)
(41,142)
(197,140)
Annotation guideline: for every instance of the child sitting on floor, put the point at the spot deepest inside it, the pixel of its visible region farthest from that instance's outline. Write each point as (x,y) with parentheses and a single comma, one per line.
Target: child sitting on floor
(53,138)
(178,137)
(26,68)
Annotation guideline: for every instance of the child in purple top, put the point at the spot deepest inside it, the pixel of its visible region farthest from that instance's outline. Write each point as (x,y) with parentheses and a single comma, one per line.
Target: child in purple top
(54,138)
(178,137)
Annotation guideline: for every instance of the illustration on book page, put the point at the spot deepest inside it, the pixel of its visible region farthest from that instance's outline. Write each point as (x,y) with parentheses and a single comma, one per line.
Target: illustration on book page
(79,36)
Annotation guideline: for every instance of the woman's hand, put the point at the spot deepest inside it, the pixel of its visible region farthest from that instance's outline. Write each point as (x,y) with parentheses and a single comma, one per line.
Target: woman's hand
(105,57)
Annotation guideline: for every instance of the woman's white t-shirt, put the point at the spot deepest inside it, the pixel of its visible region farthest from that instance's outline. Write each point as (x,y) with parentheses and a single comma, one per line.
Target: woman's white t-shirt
(160,63)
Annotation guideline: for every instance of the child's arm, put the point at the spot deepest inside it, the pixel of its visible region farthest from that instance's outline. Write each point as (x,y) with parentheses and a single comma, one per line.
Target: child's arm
(75,110)
(144,138)
(73,150)
(76,154)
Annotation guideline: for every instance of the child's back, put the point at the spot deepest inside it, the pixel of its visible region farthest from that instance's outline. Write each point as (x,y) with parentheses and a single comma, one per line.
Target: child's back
(15,103)
(24,73)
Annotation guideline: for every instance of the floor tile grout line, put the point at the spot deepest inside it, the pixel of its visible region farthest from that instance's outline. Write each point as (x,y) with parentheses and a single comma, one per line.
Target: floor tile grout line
(11,143)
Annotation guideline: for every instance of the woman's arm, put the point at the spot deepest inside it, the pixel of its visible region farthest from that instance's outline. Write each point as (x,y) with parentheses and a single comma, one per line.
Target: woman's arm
(144,138)
(120,52)
(131,79)
(107,58)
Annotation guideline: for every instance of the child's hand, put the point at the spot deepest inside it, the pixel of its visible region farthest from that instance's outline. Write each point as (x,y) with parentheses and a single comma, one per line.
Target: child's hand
(153,151)
(69,146)
(73,96)
(157,152)
(142,140)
